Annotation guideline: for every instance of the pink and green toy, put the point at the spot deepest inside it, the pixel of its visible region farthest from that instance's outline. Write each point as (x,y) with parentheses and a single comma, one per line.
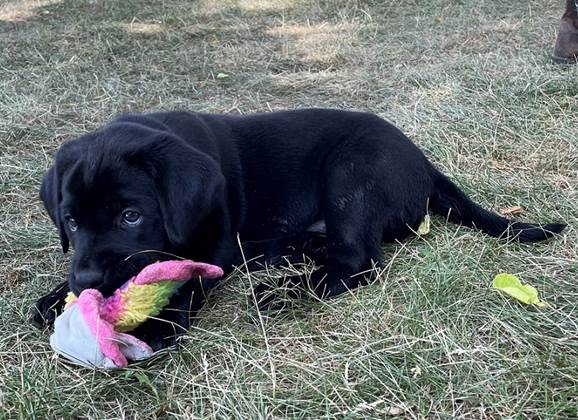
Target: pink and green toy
(92,330)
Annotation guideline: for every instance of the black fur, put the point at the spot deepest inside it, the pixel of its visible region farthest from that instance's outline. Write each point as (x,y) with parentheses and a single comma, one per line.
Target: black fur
(331,184)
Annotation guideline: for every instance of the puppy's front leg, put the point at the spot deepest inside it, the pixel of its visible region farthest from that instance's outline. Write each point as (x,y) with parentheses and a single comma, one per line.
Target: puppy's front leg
(48,307)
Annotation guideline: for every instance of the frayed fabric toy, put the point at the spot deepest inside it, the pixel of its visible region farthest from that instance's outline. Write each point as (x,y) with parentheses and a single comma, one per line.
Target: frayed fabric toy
(92,330)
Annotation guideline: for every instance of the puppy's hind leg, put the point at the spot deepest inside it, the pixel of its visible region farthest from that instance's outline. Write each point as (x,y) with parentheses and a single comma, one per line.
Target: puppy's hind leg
(354,232)
(350,205)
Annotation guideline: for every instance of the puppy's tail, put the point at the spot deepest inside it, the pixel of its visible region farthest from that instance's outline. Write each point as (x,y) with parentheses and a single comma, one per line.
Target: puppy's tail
(449,201)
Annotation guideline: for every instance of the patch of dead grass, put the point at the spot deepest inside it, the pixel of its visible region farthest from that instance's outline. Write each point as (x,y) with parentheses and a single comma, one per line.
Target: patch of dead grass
(21,10)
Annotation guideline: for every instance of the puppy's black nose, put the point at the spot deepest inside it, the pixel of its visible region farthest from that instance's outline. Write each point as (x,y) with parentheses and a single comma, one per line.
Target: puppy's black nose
(88,279)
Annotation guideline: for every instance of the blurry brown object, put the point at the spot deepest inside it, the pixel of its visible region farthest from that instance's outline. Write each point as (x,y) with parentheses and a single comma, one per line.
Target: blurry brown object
(566,47)
(512,211)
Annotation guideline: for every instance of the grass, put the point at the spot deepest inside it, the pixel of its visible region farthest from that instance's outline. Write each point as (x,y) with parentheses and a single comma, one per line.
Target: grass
(470,81)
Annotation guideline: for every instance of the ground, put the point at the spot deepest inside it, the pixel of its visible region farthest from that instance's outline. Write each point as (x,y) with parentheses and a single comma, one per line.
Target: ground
(469,81)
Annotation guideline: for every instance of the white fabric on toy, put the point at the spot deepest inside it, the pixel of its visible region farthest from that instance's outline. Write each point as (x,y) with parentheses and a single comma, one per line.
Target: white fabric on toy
(73,339)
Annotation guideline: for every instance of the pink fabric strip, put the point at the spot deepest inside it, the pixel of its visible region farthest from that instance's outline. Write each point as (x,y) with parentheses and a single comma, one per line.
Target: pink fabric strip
(89,303)
(177,271)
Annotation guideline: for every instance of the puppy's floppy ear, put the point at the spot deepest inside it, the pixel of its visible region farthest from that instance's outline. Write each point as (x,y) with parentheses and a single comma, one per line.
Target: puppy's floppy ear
(50,195)
(189,183)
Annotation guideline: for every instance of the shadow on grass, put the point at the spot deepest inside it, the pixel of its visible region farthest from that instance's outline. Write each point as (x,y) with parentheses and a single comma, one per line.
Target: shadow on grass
(250,41)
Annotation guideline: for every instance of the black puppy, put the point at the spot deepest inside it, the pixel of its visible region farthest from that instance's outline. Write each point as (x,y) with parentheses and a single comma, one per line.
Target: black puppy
(330,184)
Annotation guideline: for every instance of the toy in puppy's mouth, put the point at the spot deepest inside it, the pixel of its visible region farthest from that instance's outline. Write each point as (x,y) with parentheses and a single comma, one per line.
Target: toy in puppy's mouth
(92,330)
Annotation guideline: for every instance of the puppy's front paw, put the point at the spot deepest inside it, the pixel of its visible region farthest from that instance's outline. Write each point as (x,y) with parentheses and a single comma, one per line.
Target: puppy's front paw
(159,343)
(45,310)
(158,334)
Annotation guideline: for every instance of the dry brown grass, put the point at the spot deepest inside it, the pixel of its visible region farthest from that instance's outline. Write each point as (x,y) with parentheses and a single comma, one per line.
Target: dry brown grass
(469,81)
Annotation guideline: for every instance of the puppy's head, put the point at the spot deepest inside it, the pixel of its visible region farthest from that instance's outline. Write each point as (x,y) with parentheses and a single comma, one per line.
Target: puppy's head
(124,189)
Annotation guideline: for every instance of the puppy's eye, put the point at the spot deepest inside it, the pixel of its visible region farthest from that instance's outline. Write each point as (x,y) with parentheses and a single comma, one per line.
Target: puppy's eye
(131,217)
(72,225)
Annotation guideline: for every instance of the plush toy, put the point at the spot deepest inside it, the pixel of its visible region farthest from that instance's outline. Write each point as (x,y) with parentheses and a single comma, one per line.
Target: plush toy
(92,329)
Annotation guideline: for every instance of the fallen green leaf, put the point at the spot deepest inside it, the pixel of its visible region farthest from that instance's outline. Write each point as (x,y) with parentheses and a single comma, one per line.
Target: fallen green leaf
(511,285)
(424,226)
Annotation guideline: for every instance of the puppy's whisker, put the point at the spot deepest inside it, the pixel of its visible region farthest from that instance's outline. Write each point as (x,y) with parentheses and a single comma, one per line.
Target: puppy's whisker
(131,265)
(153,251)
